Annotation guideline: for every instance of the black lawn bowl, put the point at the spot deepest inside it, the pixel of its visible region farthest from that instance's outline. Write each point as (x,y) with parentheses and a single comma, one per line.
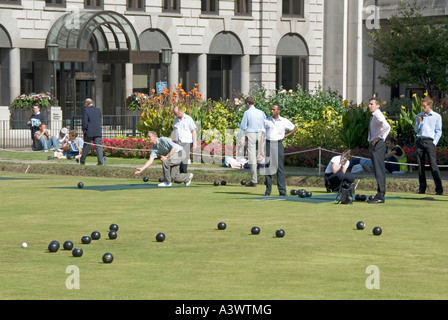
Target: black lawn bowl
(77,252)
(160,237)
(80,185)
(86,239)
(114,227)
(280,233)
(216,183)
(108,257)
(243,182)
(161,180)
(112,234)
(68,245)
(360,225)
(95,235)
(53,246)
(301,193)
(308,194)
(222,226)
(377,231)
(255,230)
(145,179)
(223,182)
(293,192)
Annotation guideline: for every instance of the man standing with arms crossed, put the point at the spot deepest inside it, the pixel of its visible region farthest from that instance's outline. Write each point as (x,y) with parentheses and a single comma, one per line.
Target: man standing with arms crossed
(252,127)
(185,135)
(379,129)
(428,127)
(276,127)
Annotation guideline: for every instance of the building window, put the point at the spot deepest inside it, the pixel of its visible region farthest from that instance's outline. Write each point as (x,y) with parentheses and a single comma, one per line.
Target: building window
(135,5)
(209,6)
(55,3)
(292,71)
(171,5)
(293,8)
(11,2)
(243,7)
(93,4)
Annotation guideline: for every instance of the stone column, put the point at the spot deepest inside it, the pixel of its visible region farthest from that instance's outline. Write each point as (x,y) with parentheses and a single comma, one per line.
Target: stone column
(202,75)
(14,73)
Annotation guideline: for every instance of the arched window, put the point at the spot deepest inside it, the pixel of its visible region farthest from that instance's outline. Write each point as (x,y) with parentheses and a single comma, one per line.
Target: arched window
(224,66)
(292,62)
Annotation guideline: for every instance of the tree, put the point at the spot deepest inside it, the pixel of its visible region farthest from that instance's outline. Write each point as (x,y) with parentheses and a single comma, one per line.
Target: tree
(413,48)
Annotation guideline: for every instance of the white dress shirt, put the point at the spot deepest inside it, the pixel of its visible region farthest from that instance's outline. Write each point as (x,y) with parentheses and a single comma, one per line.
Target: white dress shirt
(378,127)
(275,129)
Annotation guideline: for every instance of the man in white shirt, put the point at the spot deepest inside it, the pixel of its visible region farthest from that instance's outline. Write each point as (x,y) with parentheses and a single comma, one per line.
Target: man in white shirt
(276,127)
(184,135)
(379,129)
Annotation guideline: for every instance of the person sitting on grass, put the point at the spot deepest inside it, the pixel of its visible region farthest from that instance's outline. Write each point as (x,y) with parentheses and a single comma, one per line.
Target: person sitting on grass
(395,157)
(336,172)
(45,141)
(74,147)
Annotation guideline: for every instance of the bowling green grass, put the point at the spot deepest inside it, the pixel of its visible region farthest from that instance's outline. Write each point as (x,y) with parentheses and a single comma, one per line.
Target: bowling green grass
(322,255)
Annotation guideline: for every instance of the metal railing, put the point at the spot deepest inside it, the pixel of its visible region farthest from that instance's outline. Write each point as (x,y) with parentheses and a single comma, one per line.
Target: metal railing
(17,133)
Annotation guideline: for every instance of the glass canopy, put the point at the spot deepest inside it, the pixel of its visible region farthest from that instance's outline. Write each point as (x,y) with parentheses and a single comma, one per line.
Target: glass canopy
(109,31)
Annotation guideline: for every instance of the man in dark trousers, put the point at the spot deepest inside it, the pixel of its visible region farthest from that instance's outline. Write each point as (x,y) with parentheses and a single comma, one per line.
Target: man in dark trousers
(428,127)
(379,129)
(91,127)
(276,127)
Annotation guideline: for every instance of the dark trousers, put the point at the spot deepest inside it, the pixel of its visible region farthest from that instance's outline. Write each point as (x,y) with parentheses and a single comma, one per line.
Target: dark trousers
(276,155)
(335,180)
(184,165)
(426,148)
(98,147)
(391,167)
(377,154)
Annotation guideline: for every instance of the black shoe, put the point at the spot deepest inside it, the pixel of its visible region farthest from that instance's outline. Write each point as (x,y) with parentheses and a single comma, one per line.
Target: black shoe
(376,200)
(99,164)
(251,184)
(420,192)
(80,161)
(439,193)
(282,195)
(267,194)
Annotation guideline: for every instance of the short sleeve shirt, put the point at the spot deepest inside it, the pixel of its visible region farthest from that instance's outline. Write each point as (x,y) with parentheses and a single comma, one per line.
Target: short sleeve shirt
(183,128)
(275,129)
(163,147)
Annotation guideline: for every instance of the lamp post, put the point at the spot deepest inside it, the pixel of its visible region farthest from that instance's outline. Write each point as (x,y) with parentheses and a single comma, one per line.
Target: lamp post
(166,60)
(53,55)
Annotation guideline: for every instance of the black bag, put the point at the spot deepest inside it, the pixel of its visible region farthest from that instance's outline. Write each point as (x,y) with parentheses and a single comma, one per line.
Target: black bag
(346,194)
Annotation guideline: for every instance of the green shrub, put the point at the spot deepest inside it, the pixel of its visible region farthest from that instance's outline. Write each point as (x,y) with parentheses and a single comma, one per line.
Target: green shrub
(323,132)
